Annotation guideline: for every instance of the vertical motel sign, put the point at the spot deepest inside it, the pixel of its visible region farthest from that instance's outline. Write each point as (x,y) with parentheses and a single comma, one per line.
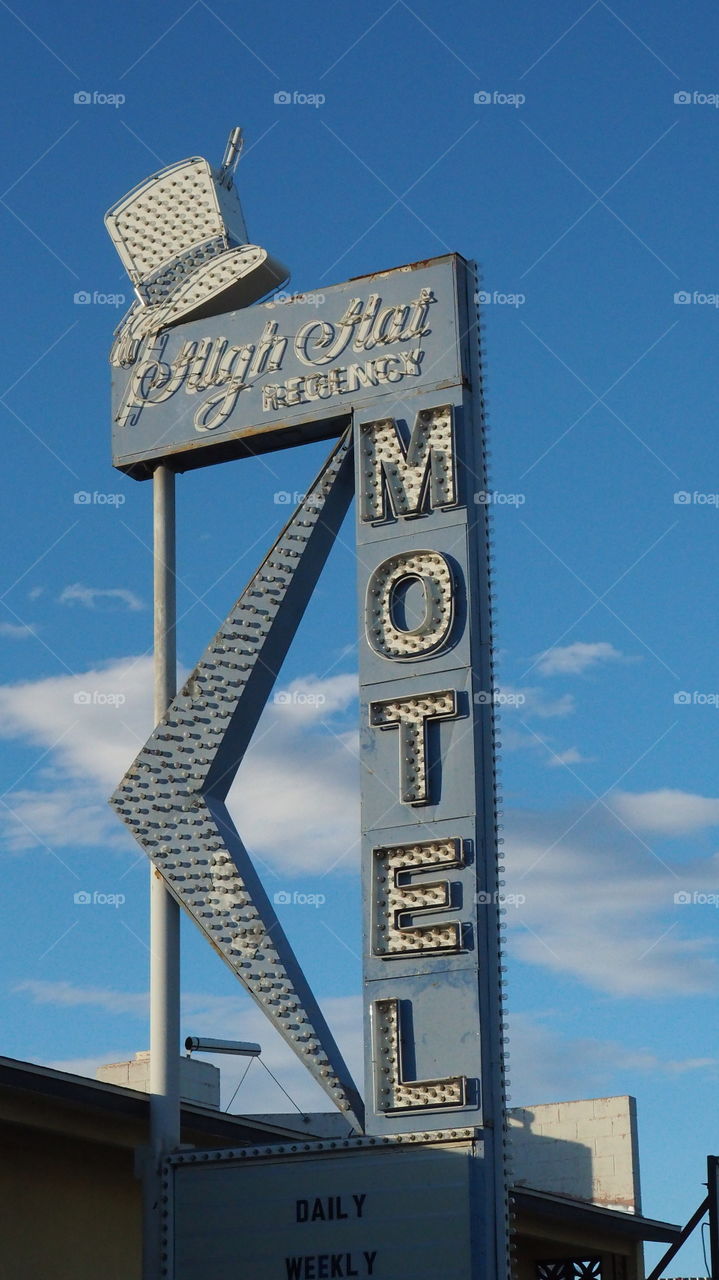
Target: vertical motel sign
(388,364)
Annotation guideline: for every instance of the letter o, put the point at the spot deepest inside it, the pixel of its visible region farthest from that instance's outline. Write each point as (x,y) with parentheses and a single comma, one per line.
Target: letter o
(434,575)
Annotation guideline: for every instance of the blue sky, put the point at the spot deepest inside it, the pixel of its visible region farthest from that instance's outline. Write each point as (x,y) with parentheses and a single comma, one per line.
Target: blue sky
(592,203)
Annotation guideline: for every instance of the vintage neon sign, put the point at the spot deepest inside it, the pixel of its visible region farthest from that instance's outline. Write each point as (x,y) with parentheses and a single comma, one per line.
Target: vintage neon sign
(195,384)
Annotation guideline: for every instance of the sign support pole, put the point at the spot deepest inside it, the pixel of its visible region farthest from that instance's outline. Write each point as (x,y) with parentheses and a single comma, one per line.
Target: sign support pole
(164,910)
(713,1199)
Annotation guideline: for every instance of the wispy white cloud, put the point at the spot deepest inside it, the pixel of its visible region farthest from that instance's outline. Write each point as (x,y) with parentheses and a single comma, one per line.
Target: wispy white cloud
(61,818)
(295,801)
(538,704)
(599,905)
(549,1066)
(296,798)
(572,755)
(68,995)
(17,630)
(92,597)
(88,727)
(575,659)
(666,812)
(517,702)
(94,723)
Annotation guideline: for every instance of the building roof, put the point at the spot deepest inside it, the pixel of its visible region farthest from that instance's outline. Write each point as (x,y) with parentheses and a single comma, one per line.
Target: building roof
(581,1213)
(30,1080)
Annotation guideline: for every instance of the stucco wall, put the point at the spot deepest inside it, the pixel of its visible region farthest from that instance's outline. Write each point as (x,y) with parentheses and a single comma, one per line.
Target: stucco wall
(70,1210)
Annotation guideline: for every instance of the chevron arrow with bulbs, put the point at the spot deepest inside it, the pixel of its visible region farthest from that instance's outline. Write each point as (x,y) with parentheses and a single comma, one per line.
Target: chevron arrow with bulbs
(173,796)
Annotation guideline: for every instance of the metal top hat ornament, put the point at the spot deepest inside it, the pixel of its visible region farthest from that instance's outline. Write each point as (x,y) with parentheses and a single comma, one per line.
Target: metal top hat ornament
(182,239)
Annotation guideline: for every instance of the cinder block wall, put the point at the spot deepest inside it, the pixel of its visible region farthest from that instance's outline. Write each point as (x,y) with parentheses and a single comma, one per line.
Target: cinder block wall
(586,1149)
(199,1081)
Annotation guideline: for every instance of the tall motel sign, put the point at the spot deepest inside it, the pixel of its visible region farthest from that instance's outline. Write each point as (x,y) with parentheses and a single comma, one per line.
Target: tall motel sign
(386,367)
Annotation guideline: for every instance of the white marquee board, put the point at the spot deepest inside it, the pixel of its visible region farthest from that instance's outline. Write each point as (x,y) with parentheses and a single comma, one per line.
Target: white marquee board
(393,1211)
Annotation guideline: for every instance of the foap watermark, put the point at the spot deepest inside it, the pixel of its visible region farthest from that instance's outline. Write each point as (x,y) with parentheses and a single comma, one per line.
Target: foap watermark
(683,298)
(299,698)
(683,498)
(84,498)
(696,698)
(695,898)
(495,98)
(286,498)
(493,498)
(95,98)
(496,298)
(283,898)
(295,98)
(86,298)
(486,899)
(300,299)
(496,698)
(695,98)
(98,698)
(83,898)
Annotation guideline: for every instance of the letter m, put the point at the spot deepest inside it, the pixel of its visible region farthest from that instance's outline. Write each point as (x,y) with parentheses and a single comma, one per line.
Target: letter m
(398,479)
